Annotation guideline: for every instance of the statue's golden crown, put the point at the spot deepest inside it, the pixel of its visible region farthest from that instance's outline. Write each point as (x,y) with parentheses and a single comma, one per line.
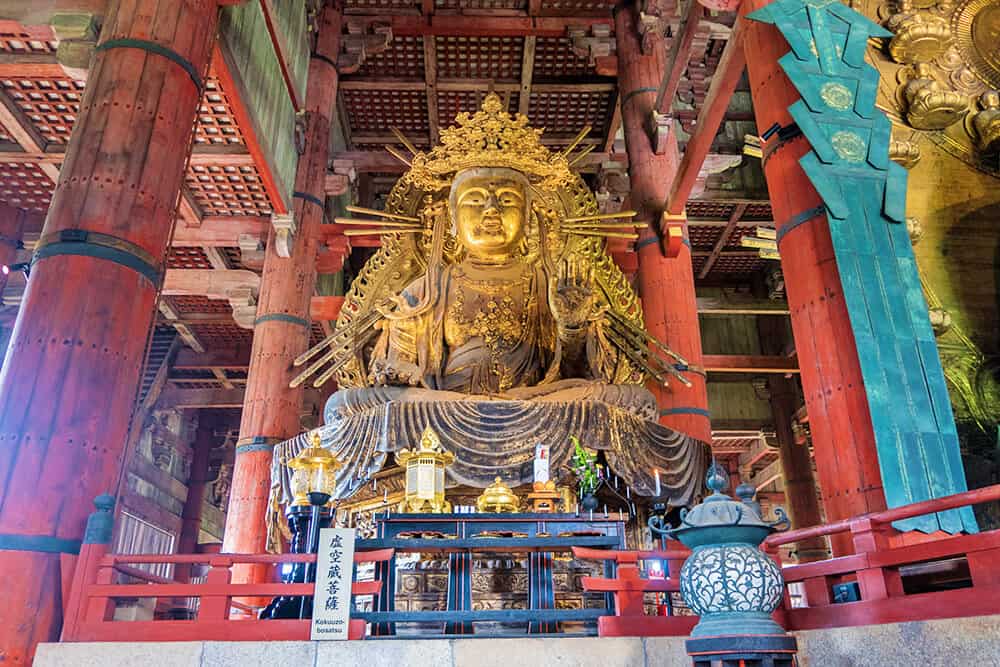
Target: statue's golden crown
(490,138)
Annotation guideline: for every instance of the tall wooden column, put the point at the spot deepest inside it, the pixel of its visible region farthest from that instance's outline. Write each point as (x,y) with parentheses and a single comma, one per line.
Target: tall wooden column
(665,285)
(843,436)
(281,332)
(801,500)
(11,227)
(204,441)
(70,377)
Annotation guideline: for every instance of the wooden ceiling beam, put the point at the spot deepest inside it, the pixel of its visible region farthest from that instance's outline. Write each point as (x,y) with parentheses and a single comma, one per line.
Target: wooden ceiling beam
(678,58)
(473,25)
(220,231)
(749,363)
(383,163)
(723,240)
(430,87)
(24,133)
(235,359)
(470,85)
(724,81)
(527,70)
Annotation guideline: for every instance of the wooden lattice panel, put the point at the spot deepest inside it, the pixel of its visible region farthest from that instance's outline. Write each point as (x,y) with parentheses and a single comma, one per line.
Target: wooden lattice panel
(50,104)
(697,262)
(555,58)
(217,335)
(19,40)
(709,210)
(758,211)
(703,237)
(5,136)
(221,189)
(578,6)
(316,334)
(733,242)
(379,6)
(193,303)
(738,264)
(404,59)
(481,4)
(375,111)
(25,185)
(565,114)
(187,258)
(451,103)
(234,256)
(496,58)
(216,122)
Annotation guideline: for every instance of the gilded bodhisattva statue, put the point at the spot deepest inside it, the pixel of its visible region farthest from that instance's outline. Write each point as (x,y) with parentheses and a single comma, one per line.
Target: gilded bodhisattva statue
(493,314)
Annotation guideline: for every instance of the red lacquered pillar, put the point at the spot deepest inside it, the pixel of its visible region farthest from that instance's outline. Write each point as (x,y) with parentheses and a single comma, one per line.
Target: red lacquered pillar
(70,377)
(281,332)
(843,437)
(666,285)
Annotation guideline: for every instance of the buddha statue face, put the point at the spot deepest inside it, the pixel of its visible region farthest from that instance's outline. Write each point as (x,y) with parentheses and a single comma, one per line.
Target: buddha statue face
(489,209)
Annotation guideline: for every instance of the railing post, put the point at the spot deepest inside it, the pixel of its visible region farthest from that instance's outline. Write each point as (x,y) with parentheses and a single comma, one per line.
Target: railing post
(628,601)
(96,539)
(876,583)
(215,602)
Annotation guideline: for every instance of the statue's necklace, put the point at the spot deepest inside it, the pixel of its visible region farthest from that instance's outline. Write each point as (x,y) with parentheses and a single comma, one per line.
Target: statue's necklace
(496,321)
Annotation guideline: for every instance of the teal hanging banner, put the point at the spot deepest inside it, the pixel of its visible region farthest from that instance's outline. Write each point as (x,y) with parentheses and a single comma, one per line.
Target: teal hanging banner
(864,193)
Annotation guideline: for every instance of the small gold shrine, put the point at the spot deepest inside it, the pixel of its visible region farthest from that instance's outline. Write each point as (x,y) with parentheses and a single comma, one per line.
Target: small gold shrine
(425,475)
(497,497)
(544,497)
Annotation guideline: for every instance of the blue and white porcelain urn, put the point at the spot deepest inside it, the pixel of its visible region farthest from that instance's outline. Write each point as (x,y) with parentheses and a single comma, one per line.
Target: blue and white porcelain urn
(728,580)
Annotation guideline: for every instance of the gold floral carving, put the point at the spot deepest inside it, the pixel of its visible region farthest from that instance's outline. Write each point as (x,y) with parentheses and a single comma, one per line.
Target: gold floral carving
(919,37)
(986,123)
(929,105)
(905,153)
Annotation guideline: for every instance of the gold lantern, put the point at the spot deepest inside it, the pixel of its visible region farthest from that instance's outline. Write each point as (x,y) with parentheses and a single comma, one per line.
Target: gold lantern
(425,475)
(497,497)
(314,476)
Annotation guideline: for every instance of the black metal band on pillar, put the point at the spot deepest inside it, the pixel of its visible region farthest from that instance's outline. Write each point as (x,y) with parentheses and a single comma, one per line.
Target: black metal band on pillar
(82,243)
(798,220)
(158,49)
(312,199)
(258,443)
(328,61)
(282,317)
(638,91)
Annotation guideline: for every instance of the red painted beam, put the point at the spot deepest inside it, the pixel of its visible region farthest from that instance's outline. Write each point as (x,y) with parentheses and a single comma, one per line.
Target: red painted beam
(281,53)
(221,69)
(749,363)
(678,58)
(463,25)
(713,111)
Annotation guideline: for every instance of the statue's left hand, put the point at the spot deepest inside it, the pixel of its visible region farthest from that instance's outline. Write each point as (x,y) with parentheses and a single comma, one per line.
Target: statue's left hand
(573,297)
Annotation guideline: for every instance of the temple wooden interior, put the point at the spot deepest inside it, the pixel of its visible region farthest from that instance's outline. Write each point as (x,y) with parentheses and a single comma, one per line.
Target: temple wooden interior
(412,65)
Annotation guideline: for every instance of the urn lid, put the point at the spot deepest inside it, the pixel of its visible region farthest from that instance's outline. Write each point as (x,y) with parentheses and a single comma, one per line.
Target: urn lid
(720,510)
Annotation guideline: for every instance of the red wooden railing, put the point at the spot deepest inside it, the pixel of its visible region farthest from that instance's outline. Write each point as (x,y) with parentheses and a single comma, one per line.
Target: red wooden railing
(90,608)
(875,566)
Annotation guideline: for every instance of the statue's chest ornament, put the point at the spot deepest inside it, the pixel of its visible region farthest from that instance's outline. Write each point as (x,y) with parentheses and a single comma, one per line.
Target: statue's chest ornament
(497,311)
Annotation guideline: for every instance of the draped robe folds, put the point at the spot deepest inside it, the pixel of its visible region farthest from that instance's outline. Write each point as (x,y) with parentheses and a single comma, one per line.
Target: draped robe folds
(426,371)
